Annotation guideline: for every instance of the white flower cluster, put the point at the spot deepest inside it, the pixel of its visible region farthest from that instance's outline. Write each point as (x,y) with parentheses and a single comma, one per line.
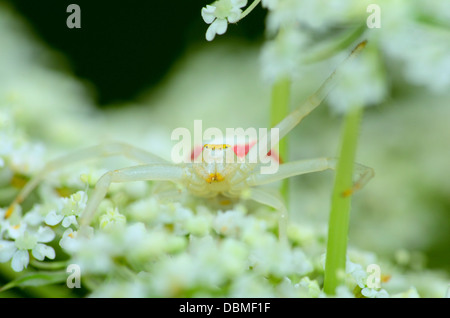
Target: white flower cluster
(219,14)
(178,251)
(20,234)
(412,32)
(360,276)
(68,210)
(16,152)
(19,237)
(422,46)
(25,233)
(236,254)
(289,28)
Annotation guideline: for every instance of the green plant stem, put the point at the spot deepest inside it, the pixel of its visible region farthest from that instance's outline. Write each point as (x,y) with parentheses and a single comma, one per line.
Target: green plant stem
(49,265)
(279,109)
(249,9)
(340,203)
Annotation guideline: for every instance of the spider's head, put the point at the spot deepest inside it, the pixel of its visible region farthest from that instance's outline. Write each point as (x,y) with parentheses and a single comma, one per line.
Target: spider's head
(215,157)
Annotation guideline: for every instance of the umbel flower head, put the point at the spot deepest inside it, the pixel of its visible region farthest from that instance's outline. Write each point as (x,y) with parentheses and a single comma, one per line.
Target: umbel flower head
(219,14)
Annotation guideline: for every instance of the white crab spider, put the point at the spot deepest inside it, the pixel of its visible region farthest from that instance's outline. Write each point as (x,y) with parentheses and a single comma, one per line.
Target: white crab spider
(212,176)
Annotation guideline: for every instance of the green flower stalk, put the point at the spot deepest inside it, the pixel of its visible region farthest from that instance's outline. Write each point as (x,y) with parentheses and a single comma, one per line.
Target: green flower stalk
(249,9)
(279,108)
(340,203)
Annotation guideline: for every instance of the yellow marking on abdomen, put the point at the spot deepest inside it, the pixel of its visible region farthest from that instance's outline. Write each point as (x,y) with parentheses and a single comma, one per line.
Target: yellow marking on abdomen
(216,177)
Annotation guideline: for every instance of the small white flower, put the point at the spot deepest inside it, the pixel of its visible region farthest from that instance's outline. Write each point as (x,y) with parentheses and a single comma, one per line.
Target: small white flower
(14,231)
(71,208)
(68,239)
(357,272)
(219,14)
(28,240)
(112,219)
(20,260)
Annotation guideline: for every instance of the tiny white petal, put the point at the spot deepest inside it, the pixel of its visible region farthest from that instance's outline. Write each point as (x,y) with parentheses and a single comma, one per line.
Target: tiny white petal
(7,249)
(68,220)
(210,9)
(40,251)
(221,26)
(234,15)
(68,241)
(52,218)
(37,252)
(14,231)
(208,14)
(20,260)
(45,234)
(239,3)
(33,217)
(210,33)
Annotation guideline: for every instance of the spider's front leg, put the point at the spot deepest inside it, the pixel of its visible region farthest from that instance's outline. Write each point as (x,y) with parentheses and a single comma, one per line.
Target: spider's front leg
(157,171)
(304,109)
(362,174)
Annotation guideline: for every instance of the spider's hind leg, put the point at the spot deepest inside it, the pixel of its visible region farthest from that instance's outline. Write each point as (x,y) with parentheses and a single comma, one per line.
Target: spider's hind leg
(99,151)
